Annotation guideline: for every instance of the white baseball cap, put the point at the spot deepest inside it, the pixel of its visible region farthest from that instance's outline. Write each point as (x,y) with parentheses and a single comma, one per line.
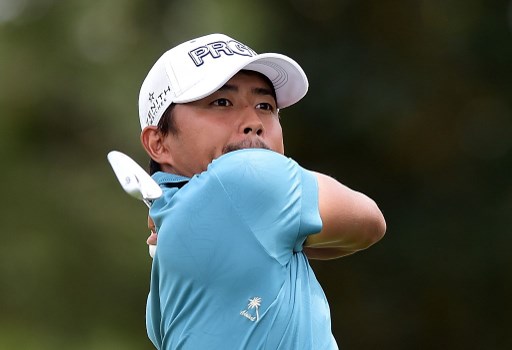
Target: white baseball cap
(199,67)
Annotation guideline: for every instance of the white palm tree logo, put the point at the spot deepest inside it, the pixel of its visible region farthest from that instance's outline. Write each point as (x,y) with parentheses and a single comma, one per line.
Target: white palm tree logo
(255,303)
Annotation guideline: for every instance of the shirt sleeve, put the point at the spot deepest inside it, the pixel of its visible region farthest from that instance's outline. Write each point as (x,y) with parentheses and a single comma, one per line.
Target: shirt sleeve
(274,196)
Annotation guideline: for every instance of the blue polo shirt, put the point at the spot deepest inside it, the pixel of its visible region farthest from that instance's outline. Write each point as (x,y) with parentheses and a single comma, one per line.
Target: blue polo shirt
(229,271)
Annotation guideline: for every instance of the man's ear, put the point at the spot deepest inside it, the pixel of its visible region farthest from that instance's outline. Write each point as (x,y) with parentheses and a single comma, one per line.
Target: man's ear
(153,142)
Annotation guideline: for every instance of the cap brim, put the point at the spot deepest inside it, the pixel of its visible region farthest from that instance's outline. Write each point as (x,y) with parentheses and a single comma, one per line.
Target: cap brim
(288,78)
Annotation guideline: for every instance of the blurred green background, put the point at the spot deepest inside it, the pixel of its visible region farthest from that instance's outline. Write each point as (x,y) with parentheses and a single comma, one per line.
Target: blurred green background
(409,102)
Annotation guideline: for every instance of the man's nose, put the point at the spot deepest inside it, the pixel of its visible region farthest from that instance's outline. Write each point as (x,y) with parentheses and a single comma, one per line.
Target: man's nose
(251,122)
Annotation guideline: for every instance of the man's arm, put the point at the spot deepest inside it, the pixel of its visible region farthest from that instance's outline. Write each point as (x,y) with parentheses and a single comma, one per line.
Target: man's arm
(351,221)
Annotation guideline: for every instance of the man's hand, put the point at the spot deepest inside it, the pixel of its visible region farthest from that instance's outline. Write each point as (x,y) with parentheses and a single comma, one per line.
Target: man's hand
(151,241)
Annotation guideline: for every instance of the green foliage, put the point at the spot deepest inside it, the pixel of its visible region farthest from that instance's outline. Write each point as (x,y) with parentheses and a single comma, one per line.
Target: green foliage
(409,102)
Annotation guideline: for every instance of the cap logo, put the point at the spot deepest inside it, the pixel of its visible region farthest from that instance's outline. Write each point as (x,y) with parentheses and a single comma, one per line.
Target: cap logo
(156,103)
(219,48)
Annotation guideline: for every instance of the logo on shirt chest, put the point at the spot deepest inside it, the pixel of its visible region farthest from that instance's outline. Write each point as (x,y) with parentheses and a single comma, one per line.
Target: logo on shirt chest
(252,312)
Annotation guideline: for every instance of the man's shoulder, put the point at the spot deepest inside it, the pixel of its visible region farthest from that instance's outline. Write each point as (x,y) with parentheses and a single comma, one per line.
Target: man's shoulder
(254,173)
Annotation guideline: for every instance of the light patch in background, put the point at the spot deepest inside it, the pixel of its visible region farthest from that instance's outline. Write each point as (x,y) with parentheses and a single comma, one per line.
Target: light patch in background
(10,10)
(178,16)
(103,31)
(245,21)
(487,128)
(20,11)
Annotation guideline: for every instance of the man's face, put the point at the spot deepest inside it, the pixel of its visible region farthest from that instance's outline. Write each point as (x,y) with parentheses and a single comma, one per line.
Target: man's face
(241,114)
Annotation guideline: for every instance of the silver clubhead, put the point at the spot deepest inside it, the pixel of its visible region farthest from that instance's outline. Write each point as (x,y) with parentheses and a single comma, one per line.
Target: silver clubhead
(134,180)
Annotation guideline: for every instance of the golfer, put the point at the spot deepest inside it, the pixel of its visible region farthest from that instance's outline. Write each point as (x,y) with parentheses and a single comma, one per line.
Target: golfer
(238,219)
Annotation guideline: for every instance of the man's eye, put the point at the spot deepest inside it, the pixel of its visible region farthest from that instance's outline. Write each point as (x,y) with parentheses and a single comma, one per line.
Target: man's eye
(265,106)
(222,102)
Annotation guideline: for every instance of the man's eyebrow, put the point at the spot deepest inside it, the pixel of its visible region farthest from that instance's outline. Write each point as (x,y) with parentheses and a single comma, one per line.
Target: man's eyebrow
(263,91)
(228,87)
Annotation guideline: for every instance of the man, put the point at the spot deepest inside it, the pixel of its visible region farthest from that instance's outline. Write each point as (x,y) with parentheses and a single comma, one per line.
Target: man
(238,219)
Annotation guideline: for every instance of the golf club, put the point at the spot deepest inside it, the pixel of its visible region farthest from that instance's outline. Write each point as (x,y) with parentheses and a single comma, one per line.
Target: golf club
(135,181)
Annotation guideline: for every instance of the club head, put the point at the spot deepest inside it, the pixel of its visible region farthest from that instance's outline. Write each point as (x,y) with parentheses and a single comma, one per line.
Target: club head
(134,180)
